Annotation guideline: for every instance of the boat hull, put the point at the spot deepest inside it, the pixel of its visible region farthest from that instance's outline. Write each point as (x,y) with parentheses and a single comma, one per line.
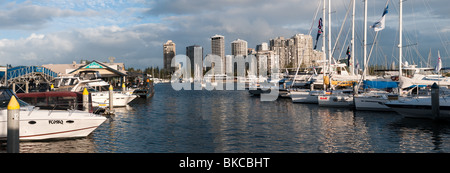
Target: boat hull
(101,99)
(420,107)
(46,124)
(419,111)
(335,101)
(371,104)
(304,97)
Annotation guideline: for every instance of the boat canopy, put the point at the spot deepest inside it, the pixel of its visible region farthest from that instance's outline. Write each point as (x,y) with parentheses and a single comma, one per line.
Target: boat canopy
(380,84)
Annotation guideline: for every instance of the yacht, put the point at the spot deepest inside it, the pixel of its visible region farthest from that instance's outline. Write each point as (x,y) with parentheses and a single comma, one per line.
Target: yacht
(414,76)
(40,124)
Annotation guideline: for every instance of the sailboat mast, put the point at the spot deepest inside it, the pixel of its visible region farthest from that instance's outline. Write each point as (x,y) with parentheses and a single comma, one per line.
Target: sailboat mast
(352,67)
(365,39)
(329,35)
(400,39)
(323,40)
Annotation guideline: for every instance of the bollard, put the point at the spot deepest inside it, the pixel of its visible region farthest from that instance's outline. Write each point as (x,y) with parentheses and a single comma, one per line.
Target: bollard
(13,126)
(26,87)
(85,100)
(435,101)
(111,98)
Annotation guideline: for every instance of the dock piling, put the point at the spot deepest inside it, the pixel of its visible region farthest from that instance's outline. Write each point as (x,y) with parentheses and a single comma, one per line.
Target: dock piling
(13,116)
(435,101)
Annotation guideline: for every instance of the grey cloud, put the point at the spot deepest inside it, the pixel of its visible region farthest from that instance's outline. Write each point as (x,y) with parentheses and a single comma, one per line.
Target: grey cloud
(28,17)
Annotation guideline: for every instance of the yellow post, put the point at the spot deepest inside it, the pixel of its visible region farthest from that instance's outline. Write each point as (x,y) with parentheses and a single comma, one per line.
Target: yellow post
(85,100)
(13,116)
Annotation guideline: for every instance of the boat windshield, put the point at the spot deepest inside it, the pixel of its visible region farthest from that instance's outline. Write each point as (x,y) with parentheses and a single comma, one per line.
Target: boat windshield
(5,97)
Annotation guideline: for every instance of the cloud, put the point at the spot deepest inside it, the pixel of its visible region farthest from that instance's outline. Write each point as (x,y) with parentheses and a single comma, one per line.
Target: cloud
(31,17)
(126,44)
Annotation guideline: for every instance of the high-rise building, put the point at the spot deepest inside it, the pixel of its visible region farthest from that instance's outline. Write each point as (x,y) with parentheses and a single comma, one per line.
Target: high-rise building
(279,47)
(195,54)
(239,47)
(294,51)
(169,52)
(218,48)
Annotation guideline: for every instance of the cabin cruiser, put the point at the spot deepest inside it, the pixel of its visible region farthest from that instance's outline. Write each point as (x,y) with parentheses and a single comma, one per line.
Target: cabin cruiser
(98,88)
(414,76)
(40,124)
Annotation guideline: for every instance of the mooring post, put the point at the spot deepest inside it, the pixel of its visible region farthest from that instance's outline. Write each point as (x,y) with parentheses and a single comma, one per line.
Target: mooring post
(13,116)
(111,98)
(435,101)
(85,100)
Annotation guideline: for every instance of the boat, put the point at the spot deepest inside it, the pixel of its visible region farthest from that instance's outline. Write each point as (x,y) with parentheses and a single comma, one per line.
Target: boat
(373,101)
(55,100)
(39,124)
(414,76)
(305,96)
(336,98)
(420,107)
(375,96)
(98,88)
(145,92)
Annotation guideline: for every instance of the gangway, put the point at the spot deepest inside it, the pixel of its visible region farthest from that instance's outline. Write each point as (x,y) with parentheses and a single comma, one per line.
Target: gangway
(22,76)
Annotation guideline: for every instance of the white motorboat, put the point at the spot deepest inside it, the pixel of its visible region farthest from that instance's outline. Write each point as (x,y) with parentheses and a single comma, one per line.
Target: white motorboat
(420,107)
(39,124)
(422,77)
(120,99)
(97,87)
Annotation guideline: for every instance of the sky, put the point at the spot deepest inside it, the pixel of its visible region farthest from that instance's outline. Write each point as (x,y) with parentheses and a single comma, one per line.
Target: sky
(59,32)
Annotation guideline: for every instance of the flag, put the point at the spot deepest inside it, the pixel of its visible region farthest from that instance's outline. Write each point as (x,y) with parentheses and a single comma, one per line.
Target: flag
(319,32)
(439,64)
(380,24)
(349,56)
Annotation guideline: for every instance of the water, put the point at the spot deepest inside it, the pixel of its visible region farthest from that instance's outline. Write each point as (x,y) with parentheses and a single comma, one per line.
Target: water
(232,121)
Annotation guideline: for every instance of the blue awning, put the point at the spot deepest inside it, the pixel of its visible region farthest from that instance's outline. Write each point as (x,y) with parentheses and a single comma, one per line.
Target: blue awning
(380,84)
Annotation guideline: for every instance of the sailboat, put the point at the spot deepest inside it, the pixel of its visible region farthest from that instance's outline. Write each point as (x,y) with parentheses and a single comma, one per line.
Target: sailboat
(338,76)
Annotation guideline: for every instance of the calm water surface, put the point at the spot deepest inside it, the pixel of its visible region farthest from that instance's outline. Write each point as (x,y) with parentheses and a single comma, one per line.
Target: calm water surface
(233,121)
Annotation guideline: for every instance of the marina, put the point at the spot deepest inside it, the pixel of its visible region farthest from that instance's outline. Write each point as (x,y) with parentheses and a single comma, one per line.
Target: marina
(285,96)
(233,121)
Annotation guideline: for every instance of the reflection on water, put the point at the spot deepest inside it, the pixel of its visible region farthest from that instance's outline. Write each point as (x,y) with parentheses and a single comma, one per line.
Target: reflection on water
(233,121)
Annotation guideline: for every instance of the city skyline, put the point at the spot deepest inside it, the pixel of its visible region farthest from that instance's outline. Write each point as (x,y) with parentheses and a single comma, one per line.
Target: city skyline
(43,32)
